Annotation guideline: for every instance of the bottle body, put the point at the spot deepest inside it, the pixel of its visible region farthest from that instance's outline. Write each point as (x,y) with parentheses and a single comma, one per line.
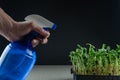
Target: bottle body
(16,61)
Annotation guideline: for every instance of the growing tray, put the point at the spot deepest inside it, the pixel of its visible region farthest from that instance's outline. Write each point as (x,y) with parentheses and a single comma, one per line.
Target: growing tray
(95,77)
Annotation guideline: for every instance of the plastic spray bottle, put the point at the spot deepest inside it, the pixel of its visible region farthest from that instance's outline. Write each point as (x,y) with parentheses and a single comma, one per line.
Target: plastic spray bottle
(19,57)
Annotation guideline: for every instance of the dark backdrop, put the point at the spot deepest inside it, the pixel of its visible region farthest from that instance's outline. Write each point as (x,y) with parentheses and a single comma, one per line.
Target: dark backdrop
(78,21)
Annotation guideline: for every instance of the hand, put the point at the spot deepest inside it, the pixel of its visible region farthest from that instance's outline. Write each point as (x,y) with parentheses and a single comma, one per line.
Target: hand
(13,30)
(20,29)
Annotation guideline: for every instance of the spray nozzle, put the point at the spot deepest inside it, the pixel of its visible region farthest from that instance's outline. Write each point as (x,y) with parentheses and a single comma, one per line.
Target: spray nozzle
(41,21)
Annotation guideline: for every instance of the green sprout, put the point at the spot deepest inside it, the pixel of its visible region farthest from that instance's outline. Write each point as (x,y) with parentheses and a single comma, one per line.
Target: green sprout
(92,61)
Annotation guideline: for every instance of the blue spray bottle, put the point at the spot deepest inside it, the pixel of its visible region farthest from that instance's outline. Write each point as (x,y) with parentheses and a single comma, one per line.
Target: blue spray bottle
(19,57)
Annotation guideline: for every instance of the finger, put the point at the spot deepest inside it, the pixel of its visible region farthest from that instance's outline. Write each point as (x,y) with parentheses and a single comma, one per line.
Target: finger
(44,41)
(35,42)
(40,30)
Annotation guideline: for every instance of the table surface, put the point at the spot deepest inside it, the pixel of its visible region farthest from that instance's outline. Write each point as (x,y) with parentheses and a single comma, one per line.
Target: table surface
(50,72)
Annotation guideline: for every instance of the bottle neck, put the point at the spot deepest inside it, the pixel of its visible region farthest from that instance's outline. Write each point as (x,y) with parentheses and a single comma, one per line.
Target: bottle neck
(22,44)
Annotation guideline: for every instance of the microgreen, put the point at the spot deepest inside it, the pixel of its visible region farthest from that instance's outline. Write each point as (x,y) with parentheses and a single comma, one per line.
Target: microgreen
(92,61)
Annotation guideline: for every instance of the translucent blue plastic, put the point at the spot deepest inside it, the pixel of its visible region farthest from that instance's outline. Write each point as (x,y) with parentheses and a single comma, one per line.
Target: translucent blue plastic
(17,59)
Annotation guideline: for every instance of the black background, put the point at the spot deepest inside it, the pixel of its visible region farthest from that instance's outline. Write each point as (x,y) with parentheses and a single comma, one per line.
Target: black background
(78,21)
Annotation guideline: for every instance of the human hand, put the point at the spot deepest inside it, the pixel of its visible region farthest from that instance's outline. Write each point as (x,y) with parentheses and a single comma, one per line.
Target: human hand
(13,30)
(21,29)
